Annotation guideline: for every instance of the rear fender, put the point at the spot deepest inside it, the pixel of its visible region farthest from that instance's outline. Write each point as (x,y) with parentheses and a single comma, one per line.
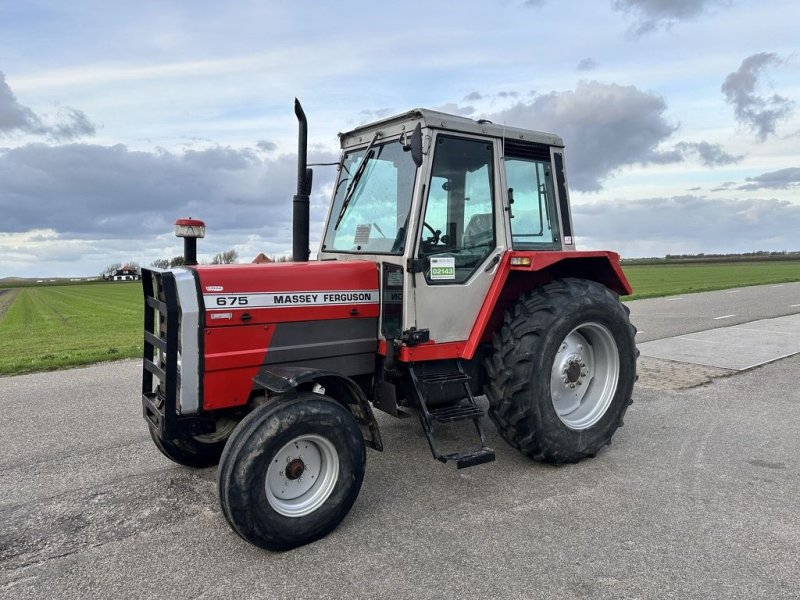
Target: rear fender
(282,379)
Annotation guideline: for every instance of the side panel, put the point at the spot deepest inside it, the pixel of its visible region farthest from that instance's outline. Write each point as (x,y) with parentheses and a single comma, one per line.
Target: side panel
(321,315)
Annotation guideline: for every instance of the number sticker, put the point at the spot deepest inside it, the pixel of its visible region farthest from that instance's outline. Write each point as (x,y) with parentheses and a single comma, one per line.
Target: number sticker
(232,301)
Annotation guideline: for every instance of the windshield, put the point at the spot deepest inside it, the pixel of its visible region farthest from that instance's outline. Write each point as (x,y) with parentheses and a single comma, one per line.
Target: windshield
(372,201)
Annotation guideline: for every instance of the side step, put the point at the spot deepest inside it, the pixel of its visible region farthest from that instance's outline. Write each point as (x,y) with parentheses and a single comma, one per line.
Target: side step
(468,408)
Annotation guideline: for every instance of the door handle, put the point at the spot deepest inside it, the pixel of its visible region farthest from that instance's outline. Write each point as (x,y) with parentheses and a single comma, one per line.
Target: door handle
(492,263)
(246,317)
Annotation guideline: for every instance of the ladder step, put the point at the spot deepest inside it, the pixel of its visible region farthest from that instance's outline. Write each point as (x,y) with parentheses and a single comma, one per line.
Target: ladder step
(443,378)
(471,458)
(457,413)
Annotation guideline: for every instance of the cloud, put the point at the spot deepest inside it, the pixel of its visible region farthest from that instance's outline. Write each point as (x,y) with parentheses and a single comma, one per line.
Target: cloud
(586,64)
(688,224)
(473,96)
(711,155)
(455,109)
(782,179)
(92,191)
(266,146)
(15,118)
(604,125)
(651,15)
(758,112)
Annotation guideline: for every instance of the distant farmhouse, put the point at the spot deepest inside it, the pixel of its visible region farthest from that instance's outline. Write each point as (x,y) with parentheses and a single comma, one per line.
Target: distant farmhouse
(125,274)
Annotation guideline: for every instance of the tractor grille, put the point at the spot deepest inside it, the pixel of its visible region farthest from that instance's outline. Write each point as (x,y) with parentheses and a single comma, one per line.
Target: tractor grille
(161,374)
(170,378)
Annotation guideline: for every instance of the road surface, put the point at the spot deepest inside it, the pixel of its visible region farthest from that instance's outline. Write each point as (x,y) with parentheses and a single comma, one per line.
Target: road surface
(698,496)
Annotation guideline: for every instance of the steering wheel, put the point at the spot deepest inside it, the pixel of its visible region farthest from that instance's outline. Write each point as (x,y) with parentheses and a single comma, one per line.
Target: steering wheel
(434,239)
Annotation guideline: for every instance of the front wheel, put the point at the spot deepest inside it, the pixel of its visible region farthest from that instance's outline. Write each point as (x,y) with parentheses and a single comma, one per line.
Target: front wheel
(200,451)
(562,372)
(291,471)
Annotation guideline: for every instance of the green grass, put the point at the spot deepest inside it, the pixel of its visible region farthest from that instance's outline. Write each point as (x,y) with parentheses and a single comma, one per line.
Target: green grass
(649,281)
(62,326)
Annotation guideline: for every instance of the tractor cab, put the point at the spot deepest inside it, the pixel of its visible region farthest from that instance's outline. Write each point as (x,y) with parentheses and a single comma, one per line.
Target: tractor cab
(437,200)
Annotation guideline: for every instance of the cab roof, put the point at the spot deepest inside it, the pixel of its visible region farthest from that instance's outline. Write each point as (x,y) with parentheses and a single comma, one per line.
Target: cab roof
(438,120)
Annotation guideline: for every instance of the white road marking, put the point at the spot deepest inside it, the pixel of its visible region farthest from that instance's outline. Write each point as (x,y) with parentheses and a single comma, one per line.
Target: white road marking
(794,305)
(723,317)
(733,291)
(673,299)
(779,285)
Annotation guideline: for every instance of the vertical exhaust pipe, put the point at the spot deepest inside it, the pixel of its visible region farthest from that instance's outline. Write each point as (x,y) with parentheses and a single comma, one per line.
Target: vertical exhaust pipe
(300,202)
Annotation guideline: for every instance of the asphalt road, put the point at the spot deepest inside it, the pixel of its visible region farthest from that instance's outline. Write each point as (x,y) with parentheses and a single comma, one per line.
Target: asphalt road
(698,497)
(658,318)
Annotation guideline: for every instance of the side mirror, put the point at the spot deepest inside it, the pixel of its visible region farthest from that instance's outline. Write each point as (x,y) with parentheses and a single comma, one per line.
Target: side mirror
(414,145)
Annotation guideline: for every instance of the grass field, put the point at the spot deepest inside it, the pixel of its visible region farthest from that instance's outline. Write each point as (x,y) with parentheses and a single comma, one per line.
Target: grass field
(52,327)
(62,326)
(649,281)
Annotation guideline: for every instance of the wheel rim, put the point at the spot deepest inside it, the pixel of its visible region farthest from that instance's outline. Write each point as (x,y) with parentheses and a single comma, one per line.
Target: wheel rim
(584,376)
(302,475)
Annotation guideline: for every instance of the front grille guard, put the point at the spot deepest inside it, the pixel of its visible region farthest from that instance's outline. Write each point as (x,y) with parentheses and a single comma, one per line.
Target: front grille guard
(161,377)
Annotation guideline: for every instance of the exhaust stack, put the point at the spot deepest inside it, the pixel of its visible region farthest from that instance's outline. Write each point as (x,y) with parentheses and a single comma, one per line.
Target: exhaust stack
(300,202)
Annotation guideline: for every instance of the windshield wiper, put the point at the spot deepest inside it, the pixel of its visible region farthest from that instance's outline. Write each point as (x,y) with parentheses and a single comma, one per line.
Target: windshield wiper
(348,195)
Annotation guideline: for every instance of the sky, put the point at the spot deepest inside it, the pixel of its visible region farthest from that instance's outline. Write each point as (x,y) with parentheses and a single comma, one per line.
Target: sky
(680,117)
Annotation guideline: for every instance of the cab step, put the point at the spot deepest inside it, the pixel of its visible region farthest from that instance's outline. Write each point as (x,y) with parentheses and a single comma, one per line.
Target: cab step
(466,409)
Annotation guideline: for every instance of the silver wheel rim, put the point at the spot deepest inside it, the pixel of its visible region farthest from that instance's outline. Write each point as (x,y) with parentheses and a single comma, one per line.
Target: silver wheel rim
(301,476)
(584,376)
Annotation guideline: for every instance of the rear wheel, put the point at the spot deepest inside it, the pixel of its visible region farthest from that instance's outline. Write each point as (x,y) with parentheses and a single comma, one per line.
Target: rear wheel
(562,371)
(291,471)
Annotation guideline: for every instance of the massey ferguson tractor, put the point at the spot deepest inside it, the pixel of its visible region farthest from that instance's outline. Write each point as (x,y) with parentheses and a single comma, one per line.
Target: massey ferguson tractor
(447,271)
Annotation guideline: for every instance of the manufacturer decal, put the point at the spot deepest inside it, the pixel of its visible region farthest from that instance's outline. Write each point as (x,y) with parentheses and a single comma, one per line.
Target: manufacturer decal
(214,288)
(290,299)
(221,315)
(443,267)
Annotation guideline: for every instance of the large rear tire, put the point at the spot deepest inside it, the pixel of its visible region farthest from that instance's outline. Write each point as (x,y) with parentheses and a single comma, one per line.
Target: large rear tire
(562,371)
(291,471)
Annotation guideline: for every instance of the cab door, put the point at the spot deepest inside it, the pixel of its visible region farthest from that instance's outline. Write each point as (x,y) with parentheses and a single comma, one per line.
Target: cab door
(460,237)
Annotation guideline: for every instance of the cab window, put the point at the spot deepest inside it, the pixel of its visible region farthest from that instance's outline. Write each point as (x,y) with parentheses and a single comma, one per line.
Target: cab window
(458,231)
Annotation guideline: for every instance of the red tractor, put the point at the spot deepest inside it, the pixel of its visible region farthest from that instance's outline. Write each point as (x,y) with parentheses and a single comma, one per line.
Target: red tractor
(447,271)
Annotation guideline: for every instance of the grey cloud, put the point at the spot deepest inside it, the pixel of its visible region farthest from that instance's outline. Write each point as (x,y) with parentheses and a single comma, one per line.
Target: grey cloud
(534,3)
(605,127)
(759,112)
(586,64)
(68,124)
(650,15)
(473,96)
(91,191)
(711,155)
(685,224)
(266,146)
(782,179)
(506,94)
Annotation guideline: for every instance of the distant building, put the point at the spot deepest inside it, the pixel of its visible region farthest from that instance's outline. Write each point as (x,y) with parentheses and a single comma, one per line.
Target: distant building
(125,274)
(261,259)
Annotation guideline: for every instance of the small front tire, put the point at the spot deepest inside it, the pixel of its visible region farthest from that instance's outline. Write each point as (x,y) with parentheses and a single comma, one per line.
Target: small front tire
(291,471)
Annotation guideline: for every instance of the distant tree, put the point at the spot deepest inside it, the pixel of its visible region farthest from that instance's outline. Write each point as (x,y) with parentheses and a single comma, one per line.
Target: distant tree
(132,264)
(160,263)
(177,261)
(226,258)
(110,270)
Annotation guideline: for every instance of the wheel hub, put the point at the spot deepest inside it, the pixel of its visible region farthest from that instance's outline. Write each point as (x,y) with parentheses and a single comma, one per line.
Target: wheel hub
(574,371)
(295,469)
